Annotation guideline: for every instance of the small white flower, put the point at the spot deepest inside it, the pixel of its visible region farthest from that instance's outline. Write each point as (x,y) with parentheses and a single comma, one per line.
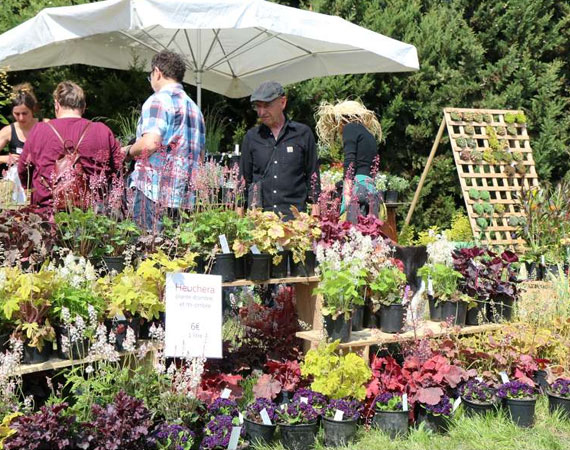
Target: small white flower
(89,369)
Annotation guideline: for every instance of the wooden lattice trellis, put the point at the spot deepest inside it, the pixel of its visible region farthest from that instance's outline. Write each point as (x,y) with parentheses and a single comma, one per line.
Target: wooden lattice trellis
(471,136)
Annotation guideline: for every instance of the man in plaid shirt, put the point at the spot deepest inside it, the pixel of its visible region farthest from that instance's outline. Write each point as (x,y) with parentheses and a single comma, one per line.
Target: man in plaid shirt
(170,143)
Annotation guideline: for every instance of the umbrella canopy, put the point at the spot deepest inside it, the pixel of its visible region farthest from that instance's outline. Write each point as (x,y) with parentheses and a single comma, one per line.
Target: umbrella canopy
(231,46)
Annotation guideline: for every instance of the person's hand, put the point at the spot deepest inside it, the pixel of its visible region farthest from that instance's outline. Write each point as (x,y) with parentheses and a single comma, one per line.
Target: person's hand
(13,158)
(126,152)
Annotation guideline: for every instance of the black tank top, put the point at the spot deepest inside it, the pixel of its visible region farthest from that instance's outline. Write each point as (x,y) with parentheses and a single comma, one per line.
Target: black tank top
(15,145)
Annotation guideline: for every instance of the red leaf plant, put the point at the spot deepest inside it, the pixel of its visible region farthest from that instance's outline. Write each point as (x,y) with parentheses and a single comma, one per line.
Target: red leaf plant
(282,376)
(212,385)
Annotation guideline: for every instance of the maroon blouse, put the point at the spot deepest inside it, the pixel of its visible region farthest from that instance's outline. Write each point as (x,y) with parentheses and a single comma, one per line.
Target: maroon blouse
(100,153)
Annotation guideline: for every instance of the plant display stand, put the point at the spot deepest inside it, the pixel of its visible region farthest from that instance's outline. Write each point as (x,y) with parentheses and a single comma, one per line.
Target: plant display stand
(361,341)
(493,157)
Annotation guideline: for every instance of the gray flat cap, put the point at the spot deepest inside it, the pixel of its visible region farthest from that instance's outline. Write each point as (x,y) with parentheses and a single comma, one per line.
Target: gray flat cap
(267,92)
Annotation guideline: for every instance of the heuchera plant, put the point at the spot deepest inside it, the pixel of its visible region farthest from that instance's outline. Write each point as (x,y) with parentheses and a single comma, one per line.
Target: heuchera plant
(516,389)
(561,388)
(352,409)
(477,391)
(282,376)
(252,411)
(387,376)
(48,428)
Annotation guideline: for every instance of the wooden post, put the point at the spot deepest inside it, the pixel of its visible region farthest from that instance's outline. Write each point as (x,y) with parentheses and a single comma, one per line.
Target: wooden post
(426,170)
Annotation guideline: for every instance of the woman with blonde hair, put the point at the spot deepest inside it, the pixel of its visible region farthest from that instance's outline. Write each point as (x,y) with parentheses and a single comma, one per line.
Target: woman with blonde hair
(24,105)
(359,130)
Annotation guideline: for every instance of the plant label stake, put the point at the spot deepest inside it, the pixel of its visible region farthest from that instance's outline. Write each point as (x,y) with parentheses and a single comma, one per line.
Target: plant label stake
(430,286)
(504,377)
(255,250)
(282,406)
(225,393)
(404,402)
(479,379)
(265,417)
(338,415)
(234,438)
(279,247)
(456,404)
(224,243)
(240,417)
(304,400)
(542,260)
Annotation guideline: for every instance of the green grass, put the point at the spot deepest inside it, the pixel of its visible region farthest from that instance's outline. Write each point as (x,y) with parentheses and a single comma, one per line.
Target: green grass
(496,432)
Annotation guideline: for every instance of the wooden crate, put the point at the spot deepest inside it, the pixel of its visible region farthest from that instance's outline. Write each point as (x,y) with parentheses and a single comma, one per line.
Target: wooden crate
(490,176)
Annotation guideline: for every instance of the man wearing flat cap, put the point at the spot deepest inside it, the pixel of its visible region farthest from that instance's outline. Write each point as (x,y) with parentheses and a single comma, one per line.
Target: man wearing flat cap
(279,159)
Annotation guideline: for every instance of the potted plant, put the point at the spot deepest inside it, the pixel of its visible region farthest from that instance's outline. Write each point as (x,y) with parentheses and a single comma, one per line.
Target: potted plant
(303,230)
(217,433)
(116,238)
(298,425)
(317,400)
(78,231)
(390,291)
(256,429)
(559,396)
(395,186)
(478,397)
(340,290)
(436,417)
(340,428)
(468,262)
(389,415)
(443,280)
(520,400)
(172,436)
(503,281)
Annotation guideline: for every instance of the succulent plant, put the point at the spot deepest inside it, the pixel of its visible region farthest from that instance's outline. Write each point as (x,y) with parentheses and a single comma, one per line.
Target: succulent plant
(469,129)
(482,223)
(474,194)
(510,118)
(485,196)
(504,144)
(520,168)
(520,118)
(509,171)
(478,209)
(488,118)
(468,116)
(488,156)
(513,221)
(507,157)
(512,130)
(456,116)
(488,208)
(518,156)
(465,155)
(476,156)
(500,208)
(493,140)
(478,117)
(471,143)
(461,142)
(497,155)
(501,131)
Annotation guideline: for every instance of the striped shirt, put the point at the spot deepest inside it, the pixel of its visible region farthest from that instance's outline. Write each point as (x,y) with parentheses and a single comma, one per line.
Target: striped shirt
(164,177)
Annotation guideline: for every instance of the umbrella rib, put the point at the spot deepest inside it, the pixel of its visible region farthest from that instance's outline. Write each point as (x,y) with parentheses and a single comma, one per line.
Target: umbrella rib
(190,48)
(278,36)
(237,49)
(203,63)
(217,38)
(172,38)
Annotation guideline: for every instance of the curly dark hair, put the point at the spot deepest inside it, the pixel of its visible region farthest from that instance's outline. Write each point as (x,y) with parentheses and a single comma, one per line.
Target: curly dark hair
(170,64)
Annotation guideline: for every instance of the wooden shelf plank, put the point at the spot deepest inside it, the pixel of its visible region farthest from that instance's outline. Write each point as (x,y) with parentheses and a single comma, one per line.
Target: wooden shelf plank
(273,281)
(368,337)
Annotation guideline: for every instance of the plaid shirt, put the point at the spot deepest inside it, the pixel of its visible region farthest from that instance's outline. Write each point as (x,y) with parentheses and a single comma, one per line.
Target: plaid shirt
(164,177)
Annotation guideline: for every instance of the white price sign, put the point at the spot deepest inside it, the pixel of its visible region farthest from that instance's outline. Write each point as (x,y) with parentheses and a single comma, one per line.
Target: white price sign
(193,315)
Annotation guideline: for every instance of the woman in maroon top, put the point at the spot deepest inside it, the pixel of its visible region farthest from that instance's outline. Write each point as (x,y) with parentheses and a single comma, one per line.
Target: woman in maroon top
(99,152)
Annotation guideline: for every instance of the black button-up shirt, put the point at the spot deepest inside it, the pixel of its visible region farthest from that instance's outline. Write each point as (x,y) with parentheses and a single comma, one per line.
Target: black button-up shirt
(292,178)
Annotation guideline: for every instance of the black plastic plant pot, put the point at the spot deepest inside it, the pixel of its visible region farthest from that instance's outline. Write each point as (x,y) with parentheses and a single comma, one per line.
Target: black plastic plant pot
(392,318)
(116,263)
(281,270)
(4,342)
(532,270)
(473,409)
(298,437)
(239,268)
(436,423)
(259,267)
(456,310)
(33,356)
(434,309)
(521,411)
(306,269)
(224,265)
(499,309)
(475,314)
(358,318)
(75,350)
(338,432)
(559,403)
(200,266)
(393,423)
(390,196)
(370,319)
(259,433)
(339,328)
(539,378)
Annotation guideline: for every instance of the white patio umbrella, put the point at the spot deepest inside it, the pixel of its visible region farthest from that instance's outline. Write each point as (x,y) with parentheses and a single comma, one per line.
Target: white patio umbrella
(231,45)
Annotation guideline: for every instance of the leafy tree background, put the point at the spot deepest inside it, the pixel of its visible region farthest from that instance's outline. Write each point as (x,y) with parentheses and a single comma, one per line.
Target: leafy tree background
(473,53)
